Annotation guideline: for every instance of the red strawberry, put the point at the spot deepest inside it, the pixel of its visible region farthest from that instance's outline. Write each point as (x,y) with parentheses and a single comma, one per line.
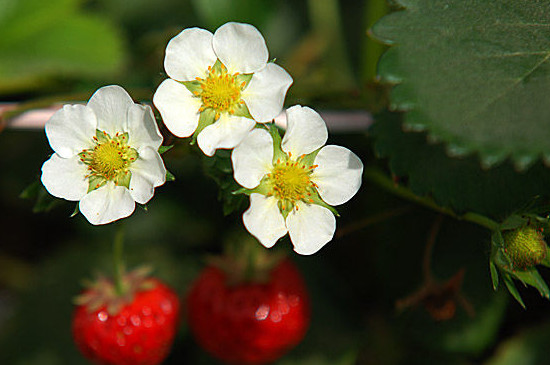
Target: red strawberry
(249,323)
(136,328)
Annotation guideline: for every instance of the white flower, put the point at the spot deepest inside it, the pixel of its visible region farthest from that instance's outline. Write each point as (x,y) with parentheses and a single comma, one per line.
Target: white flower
(106,155)
(294,183)
(220,85)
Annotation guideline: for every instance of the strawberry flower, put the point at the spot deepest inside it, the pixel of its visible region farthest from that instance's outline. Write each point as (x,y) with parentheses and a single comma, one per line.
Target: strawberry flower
(294,183)
(106,155)
(220,85)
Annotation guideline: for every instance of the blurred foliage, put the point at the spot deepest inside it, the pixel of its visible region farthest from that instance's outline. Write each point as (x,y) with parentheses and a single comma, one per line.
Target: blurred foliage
(381,252)
(39,41)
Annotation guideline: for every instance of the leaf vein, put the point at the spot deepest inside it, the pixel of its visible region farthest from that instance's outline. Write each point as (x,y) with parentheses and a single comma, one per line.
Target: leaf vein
(510,88)
(514,54)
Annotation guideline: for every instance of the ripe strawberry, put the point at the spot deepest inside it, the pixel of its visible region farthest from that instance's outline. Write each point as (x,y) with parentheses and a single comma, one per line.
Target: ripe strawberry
(136,328)
(249,323)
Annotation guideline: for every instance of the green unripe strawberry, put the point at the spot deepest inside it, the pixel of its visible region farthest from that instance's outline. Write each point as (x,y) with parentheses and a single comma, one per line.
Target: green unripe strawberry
(525,247)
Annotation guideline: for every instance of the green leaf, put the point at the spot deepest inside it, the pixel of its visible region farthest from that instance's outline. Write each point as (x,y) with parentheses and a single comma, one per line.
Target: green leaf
(38,41)
(513,290)
(459,184)
(474,74)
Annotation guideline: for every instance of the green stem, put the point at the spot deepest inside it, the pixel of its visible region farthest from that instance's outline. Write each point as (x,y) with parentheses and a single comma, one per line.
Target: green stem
(118,262)
(379,178)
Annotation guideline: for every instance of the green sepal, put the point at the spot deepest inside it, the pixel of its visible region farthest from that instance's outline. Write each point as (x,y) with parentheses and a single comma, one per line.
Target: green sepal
(163,149)
(278,153)
(75,211)
(170,176)
(513,290)
(319,201)
(514,221)
(217,67)
(132,154)
(532,277)
(123,179)
(309,159)
(241,110)
(243,78)
(95,182)
(263,188)
(242,191)
(284,209)
(494,275)
(194,87)
(546,261)
(207,117)
(101,136)
(124,137)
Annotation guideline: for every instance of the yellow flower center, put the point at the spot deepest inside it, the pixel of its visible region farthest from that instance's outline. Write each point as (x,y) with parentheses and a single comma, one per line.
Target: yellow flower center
(220,91)
(109,160)
(290,182)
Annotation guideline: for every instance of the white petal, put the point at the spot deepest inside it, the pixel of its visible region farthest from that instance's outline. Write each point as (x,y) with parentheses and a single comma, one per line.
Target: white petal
(148,172)
(306,131)
(227,132)
(142,127)
(107,204)
(338,174)
(189,54)
(178,107)
(71,129)
(65,177)
(266,92)
(310,227)
(252,158)
(110,105)
(264,220)
(240,47)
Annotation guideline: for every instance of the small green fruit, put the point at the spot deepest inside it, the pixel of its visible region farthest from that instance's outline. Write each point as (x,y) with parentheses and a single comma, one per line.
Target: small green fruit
(525,247)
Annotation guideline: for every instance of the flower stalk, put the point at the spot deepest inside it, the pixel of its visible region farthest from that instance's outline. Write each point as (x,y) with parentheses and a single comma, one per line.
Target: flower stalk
(118,261)
(379,178)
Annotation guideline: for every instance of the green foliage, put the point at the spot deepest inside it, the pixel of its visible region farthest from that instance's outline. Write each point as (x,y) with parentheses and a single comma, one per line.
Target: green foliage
(39,41)
(473,74)
(43,201)
(220,169)
(525,348)
(459,184)
(216,12)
